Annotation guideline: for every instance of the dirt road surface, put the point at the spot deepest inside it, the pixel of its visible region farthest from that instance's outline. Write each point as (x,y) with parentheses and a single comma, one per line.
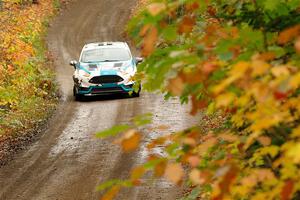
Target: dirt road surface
(68,162)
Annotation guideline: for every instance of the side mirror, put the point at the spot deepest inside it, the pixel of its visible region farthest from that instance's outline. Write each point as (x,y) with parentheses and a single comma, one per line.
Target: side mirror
(139,60)
(73,63)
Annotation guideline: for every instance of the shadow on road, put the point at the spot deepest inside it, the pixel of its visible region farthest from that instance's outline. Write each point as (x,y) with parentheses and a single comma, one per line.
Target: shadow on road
(109,97)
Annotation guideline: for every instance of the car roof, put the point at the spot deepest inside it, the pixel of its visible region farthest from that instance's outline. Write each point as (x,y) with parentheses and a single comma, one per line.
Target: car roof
(98,45)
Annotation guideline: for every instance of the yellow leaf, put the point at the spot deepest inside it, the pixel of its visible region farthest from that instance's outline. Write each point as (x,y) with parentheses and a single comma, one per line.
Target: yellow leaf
(259,67)
(224,84)
(296,132)
(294,154)
(239,69)
(280,71)
(294,82)
(203,147)
(174,172)
(224,100)
(228,137)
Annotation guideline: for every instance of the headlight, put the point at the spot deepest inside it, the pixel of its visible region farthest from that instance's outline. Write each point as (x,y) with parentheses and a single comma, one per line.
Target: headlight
(83,73)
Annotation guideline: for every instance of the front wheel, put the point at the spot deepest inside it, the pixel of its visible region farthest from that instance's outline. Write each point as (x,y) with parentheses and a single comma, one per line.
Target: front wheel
(137,93)
(77,96)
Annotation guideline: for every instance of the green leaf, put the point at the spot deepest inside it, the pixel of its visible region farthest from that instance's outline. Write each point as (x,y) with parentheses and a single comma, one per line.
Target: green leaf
(113,182)
(271,4)
(113,131)
(170,33)
(152,163)
(143,119)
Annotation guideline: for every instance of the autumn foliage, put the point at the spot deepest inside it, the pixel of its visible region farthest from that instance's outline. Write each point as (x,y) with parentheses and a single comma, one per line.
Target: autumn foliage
(238,60)
(26,85)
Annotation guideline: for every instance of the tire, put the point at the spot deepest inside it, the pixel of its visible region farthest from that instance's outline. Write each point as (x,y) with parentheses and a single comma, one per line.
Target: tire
(137,94)
(77,97)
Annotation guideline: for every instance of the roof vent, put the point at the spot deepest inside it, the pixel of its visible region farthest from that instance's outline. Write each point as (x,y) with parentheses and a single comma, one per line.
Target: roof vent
(118,64)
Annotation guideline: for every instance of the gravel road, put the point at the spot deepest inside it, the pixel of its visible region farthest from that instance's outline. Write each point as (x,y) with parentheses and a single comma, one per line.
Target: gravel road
(68,162)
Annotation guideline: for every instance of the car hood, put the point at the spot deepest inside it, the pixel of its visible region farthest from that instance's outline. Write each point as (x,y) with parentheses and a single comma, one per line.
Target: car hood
(106,68)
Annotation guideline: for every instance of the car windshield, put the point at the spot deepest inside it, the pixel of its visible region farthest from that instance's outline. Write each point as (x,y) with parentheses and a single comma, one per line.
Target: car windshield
(105,55)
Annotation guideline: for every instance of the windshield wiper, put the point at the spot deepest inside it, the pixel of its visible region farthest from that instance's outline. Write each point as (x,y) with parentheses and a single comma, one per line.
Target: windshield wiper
(102,61)
(110,61)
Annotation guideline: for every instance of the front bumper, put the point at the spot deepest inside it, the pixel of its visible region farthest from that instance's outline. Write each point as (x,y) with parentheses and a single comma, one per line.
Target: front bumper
(105,89)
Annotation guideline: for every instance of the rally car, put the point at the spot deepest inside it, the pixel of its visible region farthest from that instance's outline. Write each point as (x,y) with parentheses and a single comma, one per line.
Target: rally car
(105,68)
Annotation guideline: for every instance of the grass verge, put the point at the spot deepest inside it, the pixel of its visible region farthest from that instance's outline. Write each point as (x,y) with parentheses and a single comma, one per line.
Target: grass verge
(28,91)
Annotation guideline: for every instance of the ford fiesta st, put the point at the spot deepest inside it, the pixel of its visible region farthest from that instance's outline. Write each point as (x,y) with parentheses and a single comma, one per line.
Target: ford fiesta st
(104,68)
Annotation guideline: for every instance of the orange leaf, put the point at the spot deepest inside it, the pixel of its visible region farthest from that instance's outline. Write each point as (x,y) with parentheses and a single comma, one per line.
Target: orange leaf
(211,10)
(208,68)
(149,41)
(163,127)
(154,143)
(176,86)
(137,173)
(195,177)
(160,169)
(111,194)
(155,8)
(193,161)
(226,182)
(288,34)
(189,141)
(144,30)
(192,6)
(267,56)
(286,192)
(297,45)
(197,105)
(174,172)
(264,140)
(192,77)
(131,140)
(199,177)
(187,25)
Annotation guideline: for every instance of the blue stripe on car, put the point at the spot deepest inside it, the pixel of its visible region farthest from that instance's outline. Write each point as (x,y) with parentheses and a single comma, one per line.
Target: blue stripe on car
(108,85)
(108,72)
(82,68)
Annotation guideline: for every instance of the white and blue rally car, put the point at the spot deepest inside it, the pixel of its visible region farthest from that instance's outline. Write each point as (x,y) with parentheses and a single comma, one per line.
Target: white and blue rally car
(105,68)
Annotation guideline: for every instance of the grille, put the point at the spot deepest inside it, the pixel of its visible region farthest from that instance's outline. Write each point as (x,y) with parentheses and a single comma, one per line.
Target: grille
(106,79)
(106,90)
